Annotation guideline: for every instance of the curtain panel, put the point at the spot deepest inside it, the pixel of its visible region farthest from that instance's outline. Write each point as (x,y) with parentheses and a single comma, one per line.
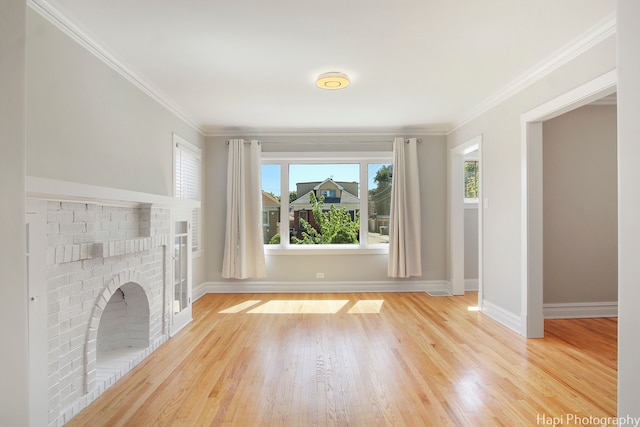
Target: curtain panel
(243,247)
(405,257)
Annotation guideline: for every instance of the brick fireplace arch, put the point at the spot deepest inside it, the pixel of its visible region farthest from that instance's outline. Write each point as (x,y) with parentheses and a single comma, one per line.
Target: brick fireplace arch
(133,283)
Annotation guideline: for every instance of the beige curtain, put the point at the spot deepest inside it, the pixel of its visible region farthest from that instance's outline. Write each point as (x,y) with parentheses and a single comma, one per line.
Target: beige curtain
(405,257)
(243,247)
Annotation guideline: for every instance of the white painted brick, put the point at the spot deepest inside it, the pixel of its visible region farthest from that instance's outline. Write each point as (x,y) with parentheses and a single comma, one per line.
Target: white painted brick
(84,216)
(60,216)
(109,226)
(68,253)
(53,206)
(51,256)
(72,228)
(102,236)
(53,228)
(87,237)
(59,240)
(73,206)
(56,281)
(92,283)
(118,217)
(103,217)
(119,235)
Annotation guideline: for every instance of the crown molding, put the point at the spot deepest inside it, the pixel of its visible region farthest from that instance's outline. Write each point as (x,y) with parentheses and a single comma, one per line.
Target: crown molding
(324,132)
(60,21)
(578,46)
(596,35)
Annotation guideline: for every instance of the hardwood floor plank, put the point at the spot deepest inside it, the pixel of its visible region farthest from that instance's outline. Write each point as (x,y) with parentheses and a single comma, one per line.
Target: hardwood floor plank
(362,359)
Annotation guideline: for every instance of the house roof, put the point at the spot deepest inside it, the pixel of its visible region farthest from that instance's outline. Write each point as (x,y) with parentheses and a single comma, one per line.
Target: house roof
(347,200)
(249,67)
(338,186)
(269,200)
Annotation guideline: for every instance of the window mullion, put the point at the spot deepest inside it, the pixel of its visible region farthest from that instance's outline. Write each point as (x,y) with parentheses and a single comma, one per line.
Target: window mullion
(284,204)
(364,204)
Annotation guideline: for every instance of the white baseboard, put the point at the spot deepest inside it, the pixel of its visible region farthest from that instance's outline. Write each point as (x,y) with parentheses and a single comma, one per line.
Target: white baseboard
(499,314)
(470,284)
(245,287)
(580,310)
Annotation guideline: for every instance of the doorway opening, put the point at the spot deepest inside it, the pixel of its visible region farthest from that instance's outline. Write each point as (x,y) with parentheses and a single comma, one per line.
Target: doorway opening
(465,194)
(532,318)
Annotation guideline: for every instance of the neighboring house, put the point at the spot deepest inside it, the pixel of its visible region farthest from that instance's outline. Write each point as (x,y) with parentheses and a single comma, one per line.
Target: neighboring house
(270,216)
(339,194)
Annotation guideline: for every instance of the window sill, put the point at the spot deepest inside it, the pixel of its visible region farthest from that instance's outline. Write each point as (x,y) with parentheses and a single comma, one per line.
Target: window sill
(324,250)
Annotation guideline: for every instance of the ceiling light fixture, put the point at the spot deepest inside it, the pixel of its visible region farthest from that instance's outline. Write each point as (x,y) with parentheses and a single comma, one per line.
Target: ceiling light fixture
(332,81)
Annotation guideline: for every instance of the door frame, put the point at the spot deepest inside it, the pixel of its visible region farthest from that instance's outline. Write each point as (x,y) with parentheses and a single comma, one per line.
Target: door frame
(36,278)
(456,215)
(532,317)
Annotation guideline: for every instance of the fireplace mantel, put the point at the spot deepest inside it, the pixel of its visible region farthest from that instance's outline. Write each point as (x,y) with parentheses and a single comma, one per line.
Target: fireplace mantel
(52,189)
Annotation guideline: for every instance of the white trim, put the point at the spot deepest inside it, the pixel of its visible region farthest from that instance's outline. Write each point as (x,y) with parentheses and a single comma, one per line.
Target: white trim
(500,315)
(471,284)
(591,38)
(60,21)
(338,249)
(346,157)
(362,159)
(320,286)
(322,132)
(597,34)
(36,283)
(456,204)
(531,202)
(575,310)
(52,189)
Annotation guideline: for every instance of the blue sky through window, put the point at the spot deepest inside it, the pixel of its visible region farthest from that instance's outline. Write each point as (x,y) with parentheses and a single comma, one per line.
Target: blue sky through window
(314,172)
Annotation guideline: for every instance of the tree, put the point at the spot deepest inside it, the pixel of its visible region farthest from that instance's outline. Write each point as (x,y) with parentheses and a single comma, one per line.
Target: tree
(381,195)
(334,226)
(293,195)
(471,173)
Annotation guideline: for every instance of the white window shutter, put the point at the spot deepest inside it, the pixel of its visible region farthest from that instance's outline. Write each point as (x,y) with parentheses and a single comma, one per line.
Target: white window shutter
(187,176)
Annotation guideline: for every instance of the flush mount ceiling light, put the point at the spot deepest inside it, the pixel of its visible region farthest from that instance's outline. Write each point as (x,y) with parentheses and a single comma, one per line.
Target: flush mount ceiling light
(332,81)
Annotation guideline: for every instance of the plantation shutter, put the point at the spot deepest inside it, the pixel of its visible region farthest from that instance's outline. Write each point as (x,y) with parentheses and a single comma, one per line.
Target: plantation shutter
(188,165)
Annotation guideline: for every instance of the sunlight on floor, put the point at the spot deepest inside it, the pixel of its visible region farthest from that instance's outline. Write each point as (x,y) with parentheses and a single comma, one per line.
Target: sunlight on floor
(476,308)
(300,306)
(243,306)
(367,306)
(305,306)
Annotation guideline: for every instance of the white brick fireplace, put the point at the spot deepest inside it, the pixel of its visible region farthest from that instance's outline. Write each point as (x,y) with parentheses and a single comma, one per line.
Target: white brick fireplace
(100,289)
(107,296)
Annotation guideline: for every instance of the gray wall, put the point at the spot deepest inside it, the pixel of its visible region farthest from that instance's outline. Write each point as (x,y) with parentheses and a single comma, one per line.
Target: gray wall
(14,369)
(471,242)
(357,268)
(502,172)
(86,123)
(580,206)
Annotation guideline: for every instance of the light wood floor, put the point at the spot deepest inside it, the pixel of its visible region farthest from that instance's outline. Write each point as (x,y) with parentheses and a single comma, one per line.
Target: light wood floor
(370,359)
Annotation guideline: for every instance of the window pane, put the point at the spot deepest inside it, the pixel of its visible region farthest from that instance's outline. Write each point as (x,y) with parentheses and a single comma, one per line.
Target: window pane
(271,204)
(324,203)
(379,177)
(471,174)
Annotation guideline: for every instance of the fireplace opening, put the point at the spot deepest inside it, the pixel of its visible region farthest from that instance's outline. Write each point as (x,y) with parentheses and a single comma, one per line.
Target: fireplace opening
(123,332)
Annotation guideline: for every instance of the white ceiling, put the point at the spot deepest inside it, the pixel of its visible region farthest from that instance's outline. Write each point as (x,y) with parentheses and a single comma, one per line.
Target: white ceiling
(250,65)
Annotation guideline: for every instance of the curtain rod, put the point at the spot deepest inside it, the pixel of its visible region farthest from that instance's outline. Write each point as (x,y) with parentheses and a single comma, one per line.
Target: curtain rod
(325,142)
